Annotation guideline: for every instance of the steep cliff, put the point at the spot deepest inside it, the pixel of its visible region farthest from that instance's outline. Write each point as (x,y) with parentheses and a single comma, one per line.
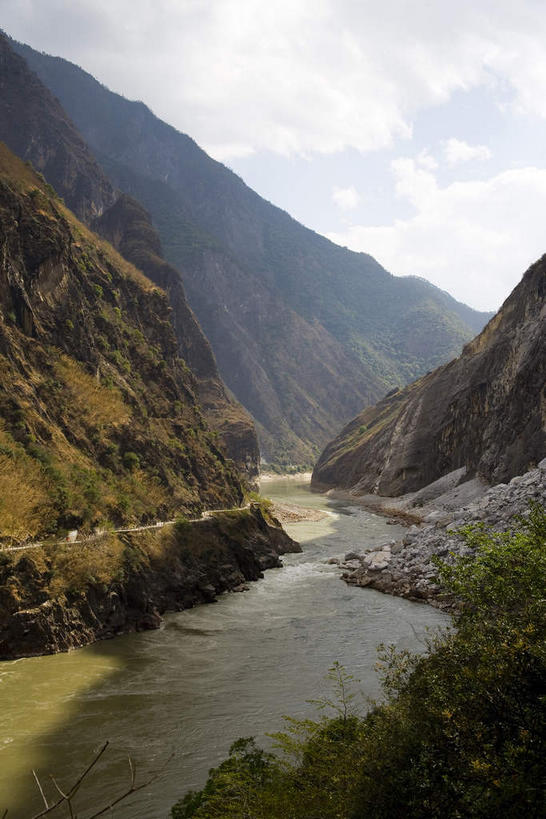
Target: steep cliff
(35,126)
(99,420)
(304,332)
(485,411)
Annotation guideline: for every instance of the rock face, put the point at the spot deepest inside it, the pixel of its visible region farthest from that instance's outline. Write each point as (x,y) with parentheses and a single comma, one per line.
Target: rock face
(304,332)
(36,128)
(99,418)
(170,570)
(485,411)
(405,569)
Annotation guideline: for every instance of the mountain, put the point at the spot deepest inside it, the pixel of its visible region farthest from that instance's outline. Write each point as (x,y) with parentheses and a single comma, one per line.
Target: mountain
(99,417)
(484,411)
(35,127)
(304,332)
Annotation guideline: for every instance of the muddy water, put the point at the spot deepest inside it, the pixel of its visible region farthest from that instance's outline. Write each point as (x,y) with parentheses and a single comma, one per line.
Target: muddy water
(212,674)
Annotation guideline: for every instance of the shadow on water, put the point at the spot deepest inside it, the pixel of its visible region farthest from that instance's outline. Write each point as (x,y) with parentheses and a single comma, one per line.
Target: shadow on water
(212,674)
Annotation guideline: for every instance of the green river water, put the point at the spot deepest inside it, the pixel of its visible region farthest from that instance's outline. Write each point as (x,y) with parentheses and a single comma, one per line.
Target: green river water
(210,675)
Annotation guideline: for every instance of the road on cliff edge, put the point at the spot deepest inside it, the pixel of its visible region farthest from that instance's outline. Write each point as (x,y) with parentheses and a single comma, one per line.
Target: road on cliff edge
(103,533)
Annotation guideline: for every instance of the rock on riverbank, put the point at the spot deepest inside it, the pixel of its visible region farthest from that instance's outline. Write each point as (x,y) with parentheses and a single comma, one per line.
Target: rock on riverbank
(51,602)
(404,567)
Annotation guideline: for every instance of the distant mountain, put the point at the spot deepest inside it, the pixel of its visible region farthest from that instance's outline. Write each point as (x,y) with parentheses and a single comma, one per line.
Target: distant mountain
(99,416)
(485,411)
(304,332)
(34,125)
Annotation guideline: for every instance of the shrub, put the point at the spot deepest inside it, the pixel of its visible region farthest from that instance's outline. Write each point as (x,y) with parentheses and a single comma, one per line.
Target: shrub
(131,461)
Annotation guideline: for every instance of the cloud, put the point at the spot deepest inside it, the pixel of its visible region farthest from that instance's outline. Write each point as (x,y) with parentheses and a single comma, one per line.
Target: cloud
(296,77)
(474,239)
(346,198)
(456,150)
(426,160)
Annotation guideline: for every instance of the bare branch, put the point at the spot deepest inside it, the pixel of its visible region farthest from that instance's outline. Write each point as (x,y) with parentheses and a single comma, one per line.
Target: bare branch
(58,788)
(75,786)
(66,798)
(40,788)
(133,771)
(131,790)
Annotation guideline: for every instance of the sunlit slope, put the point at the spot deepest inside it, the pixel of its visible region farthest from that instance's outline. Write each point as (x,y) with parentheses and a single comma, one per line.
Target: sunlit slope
(99,419)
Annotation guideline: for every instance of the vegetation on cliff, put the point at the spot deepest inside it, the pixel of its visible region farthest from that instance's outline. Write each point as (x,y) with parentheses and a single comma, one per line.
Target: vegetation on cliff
(99,420)
(462,731)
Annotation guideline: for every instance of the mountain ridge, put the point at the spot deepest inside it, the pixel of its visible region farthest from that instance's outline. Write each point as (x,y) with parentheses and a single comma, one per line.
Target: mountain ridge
(378,330)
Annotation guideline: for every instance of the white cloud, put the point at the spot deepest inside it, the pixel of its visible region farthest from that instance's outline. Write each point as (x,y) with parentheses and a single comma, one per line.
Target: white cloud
(426,161)
(297,76)
(474,239)
(346,198)
(456,150)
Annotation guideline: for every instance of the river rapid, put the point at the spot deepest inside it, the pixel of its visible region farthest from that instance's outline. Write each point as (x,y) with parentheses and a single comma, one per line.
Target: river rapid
(209,676)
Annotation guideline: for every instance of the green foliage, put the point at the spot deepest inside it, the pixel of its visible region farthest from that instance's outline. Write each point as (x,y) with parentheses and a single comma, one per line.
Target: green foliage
(462,732)
(131,461)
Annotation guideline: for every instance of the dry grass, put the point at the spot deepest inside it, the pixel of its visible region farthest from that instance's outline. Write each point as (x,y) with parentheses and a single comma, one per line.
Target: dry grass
(145,490)
(96,404)
(75,567)
(24,498)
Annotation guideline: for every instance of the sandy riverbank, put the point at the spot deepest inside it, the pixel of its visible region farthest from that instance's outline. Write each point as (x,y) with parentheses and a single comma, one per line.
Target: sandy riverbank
(291,513)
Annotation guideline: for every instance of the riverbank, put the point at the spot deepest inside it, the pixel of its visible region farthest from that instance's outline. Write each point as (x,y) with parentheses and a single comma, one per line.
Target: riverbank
(405,567)
(56,598)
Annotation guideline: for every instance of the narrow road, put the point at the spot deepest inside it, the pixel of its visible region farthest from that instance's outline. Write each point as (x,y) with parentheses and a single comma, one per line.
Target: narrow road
(98,535)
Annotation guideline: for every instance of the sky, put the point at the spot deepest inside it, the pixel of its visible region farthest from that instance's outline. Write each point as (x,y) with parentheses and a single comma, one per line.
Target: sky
(414,131)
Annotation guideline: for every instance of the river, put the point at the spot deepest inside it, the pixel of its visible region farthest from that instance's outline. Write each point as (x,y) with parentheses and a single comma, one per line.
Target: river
(209,676)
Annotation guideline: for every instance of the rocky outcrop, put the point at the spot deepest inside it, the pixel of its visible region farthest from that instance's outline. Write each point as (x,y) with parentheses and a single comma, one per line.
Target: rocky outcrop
(176,568)
(484,412)
(304,332)
(404,568)
(36,128)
